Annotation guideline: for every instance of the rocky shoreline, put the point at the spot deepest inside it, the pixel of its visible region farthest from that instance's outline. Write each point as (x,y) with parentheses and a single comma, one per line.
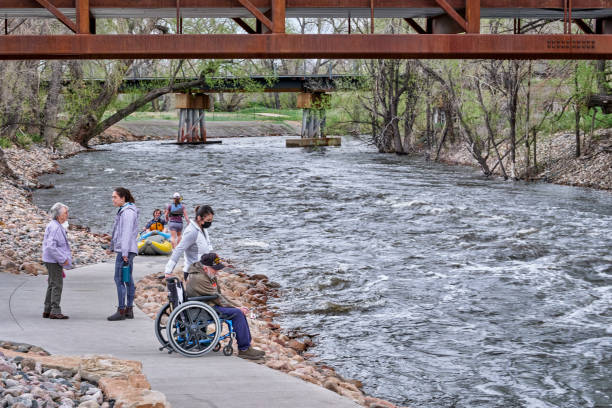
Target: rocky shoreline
(31,378)
(22,224)
(286,353)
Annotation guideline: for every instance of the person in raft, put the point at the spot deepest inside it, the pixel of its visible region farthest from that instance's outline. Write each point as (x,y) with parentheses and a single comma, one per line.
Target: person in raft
(195,242)
(56,255)
(124,244)
(174,216)
(157,223)
(203,281)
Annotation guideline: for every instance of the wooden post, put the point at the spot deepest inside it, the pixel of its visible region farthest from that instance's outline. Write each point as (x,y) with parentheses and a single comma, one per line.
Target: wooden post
(83,17)
(323,120)
(188,125)
(311,123)
(203,125)
(304,122)
(179,138)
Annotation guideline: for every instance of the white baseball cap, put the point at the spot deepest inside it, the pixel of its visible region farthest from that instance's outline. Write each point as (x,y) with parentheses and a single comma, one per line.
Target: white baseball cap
(176,195)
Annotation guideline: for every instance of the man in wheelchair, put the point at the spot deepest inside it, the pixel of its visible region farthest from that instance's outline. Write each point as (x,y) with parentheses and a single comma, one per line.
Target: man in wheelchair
(202,281)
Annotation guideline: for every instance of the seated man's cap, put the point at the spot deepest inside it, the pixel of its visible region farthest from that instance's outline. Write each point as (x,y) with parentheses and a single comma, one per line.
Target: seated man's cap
(213,260)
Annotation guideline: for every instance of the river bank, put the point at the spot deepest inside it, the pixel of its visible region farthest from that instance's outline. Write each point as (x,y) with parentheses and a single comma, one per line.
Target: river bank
(556,160)
(22,226)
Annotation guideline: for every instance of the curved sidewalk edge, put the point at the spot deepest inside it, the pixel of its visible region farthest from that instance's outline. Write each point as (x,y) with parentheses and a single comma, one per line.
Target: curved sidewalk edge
(89,296)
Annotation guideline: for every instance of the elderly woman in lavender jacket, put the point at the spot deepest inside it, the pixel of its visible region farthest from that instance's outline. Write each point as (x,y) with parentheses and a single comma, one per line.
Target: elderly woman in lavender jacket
(124,243)
(56,256)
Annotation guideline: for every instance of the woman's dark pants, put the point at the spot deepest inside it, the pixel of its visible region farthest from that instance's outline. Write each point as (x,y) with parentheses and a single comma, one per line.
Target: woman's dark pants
(54,288)
(124,288)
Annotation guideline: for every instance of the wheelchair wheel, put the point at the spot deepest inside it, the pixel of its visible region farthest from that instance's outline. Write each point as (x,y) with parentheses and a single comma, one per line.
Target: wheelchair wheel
(228,350)
(193,329)
(161,322)
(217,347)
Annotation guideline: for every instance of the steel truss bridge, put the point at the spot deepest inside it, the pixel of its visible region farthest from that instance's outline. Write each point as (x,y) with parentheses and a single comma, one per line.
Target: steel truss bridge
(448,29)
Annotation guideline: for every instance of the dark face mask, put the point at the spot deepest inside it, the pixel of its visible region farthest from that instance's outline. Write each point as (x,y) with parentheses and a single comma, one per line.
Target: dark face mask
(206,224)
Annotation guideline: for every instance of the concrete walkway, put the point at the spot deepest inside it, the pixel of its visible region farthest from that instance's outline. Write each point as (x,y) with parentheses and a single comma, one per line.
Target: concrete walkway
(89,296)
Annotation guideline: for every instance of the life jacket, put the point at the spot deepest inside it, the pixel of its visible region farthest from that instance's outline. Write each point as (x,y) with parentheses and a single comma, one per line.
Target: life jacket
(176,210)
(156,226)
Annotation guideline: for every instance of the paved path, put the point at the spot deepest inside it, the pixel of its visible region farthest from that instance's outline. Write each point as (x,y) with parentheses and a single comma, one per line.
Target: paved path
(89,297)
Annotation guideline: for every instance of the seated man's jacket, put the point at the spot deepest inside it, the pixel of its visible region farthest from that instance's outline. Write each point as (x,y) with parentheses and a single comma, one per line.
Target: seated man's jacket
(200,284)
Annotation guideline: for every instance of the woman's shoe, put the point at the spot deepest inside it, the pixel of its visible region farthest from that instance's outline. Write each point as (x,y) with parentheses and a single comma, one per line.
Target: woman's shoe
(46,315)
(118,315)
(58,316)
(129,312)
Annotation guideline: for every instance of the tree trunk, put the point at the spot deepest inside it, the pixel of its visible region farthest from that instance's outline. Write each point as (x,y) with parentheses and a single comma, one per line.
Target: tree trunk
(535,148)
(514,88)
(577,130)
(49,132)
(428,126)
(601,76)
(527,115)
(577,116)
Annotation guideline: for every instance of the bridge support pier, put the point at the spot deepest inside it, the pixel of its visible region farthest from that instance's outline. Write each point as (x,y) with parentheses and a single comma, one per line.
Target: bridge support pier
(192,117)
(313,121)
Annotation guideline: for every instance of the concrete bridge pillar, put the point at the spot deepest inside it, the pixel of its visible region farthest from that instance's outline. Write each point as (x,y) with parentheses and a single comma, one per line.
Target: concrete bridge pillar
(192,117)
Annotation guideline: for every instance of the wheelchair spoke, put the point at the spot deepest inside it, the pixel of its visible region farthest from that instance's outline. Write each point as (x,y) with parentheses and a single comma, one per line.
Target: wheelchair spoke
(193,329)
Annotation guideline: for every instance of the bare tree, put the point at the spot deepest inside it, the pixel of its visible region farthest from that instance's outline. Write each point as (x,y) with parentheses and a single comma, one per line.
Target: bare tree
(52,104)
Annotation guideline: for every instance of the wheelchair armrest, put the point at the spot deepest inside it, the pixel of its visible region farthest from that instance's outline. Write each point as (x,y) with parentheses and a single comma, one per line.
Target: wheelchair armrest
(205,298)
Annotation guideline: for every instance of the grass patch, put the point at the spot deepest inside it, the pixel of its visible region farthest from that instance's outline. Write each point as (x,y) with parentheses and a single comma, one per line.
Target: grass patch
(5,143)
(247,114)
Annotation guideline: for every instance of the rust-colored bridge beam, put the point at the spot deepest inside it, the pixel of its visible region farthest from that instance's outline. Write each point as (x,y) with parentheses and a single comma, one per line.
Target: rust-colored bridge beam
(83,17)
(472,16)
(244,25)
(322,4)
(415,26)
(58,14)
(360,46)
(257,14)
(452,13)
(584,26)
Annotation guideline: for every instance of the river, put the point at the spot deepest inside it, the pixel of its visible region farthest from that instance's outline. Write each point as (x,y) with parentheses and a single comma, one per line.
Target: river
(432,285)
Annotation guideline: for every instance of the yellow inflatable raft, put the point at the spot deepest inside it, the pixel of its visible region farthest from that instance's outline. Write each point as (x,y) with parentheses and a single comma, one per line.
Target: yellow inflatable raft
(154,244)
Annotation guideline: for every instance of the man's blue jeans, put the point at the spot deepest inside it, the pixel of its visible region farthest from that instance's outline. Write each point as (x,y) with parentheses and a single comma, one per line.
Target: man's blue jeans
(124,287)
(239,321)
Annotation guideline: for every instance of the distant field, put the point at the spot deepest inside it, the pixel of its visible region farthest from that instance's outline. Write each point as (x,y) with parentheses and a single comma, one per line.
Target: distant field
(250,114)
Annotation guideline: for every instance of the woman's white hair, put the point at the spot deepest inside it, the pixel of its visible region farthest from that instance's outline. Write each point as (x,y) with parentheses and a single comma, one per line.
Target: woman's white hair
(56,210)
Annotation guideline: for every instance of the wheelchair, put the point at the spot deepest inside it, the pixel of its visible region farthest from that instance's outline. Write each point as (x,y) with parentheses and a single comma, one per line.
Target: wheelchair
(190,326)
